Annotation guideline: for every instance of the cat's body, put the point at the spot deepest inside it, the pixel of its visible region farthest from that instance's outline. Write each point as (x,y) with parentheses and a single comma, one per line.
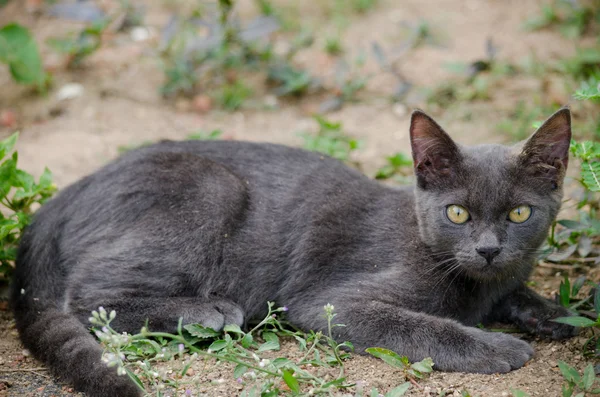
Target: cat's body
(211,231)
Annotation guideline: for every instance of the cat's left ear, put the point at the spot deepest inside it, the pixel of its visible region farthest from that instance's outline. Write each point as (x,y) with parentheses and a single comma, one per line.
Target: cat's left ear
(435,154)
(546,153)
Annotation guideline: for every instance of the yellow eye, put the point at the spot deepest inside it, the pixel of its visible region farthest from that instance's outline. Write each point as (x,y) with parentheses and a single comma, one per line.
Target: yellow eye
(457,214)
(520,214)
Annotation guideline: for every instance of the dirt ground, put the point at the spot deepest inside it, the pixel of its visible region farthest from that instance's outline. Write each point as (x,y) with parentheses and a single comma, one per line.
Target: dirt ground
(120,105)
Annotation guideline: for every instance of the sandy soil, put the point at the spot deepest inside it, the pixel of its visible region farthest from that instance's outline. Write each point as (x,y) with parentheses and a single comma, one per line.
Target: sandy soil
(121,106)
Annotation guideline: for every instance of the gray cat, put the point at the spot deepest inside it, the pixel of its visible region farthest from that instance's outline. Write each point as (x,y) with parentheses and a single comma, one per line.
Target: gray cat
(210,231)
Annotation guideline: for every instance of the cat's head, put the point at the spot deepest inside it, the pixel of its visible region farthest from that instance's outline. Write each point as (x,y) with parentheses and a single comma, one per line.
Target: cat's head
(489,206)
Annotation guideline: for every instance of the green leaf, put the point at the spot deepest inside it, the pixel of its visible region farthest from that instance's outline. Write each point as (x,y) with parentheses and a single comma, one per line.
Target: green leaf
(589,90)
(19,50)
(589,376)
(247,341)
(424,366)
(239,371)
(7,226)
(270,391)
(576,321)
(7,145)
(590,175)
(271,342)
(204,136)
(519,393)
(45,179)
(201,332)
(335,382)
(80,45)
(400,160)
(292,382)
(24,180)
(398,391)
(388,356)
(567,390)
(301,342)
(565,292)
(134,378)
(577,285)
(586,150)
(570,374)
(282,362)
(218,345)
(233,329)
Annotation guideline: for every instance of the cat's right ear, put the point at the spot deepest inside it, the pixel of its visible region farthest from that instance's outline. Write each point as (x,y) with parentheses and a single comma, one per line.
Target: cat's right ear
(546,154)
(435,154)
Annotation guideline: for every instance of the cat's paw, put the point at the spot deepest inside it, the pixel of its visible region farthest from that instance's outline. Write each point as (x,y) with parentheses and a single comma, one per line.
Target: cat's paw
(551,329)
(214,315)
(494,352)
(540,323)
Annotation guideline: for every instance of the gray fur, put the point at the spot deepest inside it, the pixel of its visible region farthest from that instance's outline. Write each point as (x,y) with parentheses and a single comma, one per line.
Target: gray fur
(211,231)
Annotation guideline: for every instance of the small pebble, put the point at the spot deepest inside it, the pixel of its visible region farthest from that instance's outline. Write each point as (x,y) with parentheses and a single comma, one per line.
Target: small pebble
(8,118)
(271,101)
(202,103)
(69,91)
(139,33)
(399,110)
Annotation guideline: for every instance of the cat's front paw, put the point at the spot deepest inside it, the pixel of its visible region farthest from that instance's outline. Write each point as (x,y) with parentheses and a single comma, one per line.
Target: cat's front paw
(541,323)
(490,353)
(551,329)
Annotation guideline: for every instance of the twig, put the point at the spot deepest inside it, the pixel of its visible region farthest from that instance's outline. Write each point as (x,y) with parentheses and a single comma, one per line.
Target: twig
(581,260)
(414,382)
(24,369)
(558,266)
(32,370)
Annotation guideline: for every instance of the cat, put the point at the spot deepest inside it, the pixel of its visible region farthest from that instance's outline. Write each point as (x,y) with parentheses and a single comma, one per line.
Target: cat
(210,231)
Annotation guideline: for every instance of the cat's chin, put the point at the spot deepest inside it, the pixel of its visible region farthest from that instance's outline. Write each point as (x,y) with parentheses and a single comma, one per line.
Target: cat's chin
(485,272)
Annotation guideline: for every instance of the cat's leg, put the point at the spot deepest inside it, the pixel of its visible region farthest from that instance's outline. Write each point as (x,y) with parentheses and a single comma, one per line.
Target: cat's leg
(451,345)
(533,313)
(162,314)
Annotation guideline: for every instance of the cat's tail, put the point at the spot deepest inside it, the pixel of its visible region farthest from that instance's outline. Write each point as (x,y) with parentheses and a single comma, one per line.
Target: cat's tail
(52,335)
(63,343)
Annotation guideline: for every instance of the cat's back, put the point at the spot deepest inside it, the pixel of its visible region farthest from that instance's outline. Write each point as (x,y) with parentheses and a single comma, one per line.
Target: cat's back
(256,160)
(169,175)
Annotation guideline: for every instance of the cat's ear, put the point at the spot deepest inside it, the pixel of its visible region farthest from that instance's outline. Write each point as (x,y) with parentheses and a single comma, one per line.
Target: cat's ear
(546,153)
(435,154)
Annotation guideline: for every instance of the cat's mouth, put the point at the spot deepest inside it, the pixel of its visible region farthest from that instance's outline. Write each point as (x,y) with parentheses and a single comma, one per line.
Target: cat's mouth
(482,269)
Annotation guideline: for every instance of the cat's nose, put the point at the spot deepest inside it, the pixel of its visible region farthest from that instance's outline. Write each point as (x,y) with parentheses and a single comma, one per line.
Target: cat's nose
(489,253)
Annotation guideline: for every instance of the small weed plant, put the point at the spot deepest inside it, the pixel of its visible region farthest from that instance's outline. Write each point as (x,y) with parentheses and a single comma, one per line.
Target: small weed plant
(398,168)
(573,18)
(576,384)
(331,140)
(143,356)
(79,45)
(581,236)
(218,62)
(19,196)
